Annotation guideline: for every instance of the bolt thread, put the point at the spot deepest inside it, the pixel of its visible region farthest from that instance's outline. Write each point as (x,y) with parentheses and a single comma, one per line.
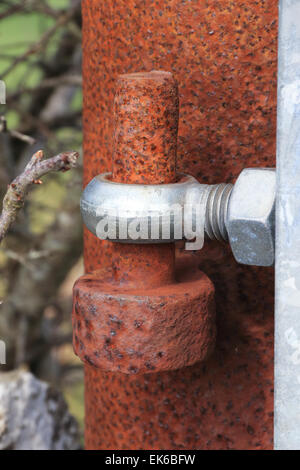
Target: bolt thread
(216,212)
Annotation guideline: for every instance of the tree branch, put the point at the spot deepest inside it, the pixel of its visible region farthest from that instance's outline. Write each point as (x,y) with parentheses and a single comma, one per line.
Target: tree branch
(41,43)
(75,80)
(16,134)
(35,169)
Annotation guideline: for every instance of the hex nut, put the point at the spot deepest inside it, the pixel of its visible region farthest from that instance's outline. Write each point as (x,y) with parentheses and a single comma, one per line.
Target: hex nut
(251,217)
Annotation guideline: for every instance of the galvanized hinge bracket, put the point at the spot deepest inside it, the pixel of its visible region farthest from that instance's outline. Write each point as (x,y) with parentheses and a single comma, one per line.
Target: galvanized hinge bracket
(243,214)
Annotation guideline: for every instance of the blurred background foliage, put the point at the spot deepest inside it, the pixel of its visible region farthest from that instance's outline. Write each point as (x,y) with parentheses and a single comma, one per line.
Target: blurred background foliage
(40,63)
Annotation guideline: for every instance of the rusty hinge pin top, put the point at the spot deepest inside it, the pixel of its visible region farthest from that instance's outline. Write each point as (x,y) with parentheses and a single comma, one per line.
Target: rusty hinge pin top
(145,123)
(146,111)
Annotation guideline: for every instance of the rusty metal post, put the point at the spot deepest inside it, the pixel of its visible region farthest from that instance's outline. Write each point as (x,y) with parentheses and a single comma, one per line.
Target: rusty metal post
(224,60)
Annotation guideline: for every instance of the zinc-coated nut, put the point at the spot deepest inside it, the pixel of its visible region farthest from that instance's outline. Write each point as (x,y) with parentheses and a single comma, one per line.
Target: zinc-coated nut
(251,217)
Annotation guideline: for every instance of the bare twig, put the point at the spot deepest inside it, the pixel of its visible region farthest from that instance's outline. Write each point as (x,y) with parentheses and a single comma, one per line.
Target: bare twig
(72,80)
(10,11)
(26,260)
(42,43)
(16,134)
(36,263)
(25,138)
(35,169)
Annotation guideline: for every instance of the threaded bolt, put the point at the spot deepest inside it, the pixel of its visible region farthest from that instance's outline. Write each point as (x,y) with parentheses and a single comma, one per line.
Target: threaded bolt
(216,212)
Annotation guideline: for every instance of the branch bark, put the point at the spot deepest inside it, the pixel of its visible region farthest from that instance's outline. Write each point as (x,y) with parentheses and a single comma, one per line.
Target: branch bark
(35,169)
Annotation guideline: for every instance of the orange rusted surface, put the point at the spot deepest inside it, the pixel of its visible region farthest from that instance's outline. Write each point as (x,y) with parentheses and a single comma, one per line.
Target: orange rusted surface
(143,330)
(223,55)
(146,125)
(140,315)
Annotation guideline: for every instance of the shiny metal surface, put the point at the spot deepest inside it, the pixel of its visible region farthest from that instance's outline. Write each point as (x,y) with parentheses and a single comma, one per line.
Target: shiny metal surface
(164,213)
(251,217)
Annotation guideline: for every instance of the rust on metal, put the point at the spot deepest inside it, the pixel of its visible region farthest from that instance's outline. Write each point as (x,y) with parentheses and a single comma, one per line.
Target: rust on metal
(143,330)
(141,315)
(144,152)
(146,125)
(223,55)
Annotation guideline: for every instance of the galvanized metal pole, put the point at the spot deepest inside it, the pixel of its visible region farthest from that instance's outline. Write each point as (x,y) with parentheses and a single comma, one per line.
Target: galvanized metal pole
(287,297)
